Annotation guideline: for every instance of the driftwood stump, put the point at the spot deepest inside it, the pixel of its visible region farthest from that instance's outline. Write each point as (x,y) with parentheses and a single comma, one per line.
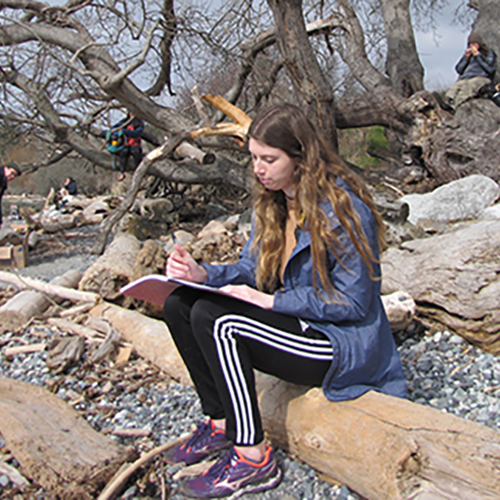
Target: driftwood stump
(113,269)
(454,280)
(54,445)
(384,448)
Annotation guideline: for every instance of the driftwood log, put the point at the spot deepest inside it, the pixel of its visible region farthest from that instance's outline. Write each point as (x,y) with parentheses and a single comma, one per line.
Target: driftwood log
(384,448)
(113,269)
(454,280)
(56,447)
(17,311)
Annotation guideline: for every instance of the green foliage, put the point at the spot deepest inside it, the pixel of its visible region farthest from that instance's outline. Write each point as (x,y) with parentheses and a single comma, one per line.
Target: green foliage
(356,144)
(376,139)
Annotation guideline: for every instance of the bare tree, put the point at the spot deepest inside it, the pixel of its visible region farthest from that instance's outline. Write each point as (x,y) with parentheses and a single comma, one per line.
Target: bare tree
(64,69)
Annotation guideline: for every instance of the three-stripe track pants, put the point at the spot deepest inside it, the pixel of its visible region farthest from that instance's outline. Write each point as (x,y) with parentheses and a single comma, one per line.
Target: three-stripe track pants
(222,339)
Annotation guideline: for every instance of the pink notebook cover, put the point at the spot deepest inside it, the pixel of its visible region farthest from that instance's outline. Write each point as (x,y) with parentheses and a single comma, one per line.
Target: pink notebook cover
(155,288)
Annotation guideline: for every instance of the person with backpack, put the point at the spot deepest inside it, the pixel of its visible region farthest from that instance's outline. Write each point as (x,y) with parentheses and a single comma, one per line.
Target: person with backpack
(475,68)
(132,128)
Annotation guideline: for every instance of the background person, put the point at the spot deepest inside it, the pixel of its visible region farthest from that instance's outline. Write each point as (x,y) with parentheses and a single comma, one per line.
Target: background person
(133,128)
(476,68)
(70,188)
(7,173)
(309,308)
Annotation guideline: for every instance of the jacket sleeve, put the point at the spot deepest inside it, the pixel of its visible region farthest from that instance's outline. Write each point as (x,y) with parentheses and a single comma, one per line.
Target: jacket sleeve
(461,65)
(488,62)
(352,300)
(136,132)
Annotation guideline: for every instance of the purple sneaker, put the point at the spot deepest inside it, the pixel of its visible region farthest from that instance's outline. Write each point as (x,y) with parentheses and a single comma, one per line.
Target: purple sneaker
(233,472)
(203,442)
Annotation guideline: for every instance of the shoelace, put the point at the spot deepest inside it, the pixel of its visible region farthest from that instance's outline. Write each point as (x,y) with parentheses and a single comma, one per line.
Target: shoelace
(218,470)
(200,435)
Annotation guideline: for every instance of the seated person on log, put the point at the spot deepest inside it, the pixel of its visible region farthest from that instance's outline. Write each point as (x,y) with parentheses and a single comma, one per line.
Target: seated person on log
(306,305)
(476,68)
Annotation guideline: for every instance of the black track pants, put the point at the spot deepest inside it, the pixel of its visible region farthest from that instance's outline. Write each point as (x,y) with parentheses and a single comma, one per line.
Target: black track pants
(222,339)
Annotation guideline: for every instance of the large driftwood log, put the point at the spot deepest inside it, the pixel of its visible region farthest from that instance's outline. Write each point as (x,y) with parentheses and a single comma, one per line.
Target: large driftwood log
(54,445)
(17,311)
(454,279)
(382,447)
(113,269)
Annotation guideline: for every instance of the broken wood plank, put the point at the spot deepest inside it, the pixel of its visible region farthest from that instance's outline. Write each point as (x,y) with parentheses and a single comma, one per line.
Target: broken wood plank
(382,447)
(24,349)
(56,447)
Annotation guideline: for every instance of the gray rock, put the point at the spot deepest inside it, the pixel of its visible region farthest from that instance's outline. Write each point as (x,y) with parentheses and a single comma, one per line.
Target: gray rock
(457,200)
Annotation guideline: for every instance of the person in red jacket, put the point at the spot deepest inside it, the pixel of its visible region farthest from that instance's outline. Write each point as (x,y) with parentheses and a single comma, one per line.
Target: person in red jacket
(132,128)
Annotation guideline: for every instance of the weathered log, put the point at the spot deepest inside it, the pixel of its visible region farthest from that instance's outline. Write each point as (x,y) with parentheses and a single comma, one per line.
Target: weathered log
(29,303)
(454,280)
(382,447)
(150,338)
(56,447)
(113,269)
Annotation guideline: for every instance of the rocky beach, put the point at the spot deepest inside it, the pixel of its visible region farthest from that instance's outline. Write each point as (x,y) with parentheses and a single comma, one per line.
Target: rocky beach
(141,407)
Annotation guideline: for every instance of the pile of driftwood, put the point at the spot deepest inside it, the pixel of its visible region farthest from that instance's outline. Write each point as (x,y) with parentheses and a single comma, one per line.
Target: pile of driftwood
(381,447)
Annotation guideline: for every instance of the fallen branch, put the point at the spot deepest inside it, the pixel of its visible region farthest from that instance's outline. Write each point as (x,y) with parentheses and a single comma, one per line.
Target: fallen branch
(115,485)
(23,282)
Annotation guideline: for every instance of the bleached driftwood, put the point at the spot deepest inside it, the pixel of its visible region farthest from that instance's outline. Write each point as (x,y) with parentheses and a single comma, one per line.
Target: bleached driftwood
(382,447)
(55,446)
(113,269)
(454,279)
(29,303)
(53,221)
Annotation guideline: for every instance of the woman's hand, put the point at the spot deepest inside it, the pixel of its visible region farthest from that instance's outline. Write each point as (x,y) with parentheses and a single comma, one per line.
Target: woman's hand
(251,295)
(180,265)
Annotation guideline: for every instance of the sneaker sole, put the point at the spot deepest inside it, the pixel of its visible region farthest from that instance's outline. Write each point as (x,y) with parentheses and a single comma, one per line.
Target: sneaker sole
(270,483)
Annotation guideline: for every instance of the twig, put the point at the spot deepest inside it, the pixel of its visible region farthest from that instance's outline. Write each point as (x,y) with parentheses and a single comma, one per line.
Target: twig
(112,488)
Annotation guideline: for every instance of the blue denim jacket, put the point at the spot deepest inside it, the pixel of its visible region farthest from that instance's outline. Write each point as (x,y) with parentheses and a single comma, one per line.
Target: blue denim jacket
(364,352)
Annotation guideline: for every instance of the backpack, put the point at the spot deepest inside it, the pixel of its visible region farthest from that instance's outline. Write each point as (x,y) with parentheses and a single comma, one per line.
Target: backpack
(490,91)
(115,141)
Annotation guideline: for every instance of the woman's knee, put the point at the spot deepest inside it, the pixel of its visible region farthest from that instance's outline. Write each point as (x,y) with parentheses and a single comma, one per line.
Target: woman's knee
(176,307)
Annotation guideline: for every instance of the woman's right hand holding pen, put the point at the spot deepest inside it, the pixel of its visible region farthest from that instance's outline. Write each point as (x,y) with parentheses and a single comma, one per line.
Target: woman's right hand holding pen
(182,266)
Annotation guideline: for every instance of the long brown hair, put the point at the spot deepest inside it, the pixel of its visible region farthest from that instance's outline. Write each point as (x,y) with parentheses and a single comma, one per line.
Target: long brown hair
(286,127)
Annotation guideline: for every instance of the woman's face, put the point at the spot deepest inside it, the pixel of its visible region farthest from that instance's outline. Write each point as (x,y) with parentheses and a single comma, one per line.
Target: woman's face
(273,167)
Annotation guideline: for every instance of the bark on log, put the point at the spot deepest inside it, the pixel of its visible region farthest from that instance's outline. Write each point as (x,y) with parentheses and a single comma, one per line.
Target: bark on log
(54,445)
(113,269)
(17,311)
(382,447)
(454,280)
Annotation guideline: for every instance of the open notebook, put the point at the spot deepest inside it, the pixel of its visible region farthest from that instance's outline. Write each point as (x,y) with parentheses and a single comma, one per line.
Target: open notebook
(155,288)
